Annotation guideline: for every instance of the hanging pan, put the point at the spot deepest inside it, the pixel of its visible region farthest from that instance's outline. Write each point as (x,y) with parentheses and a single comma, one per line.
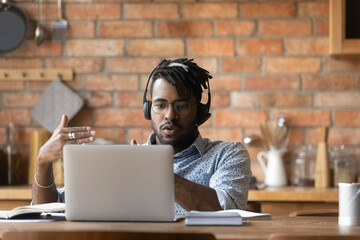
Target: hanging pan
(14,27)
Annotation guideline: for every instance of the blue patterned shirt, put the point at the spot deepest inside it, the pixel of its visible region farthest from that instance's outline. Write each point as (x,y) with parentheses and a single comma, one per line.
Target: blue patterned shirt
(223,166)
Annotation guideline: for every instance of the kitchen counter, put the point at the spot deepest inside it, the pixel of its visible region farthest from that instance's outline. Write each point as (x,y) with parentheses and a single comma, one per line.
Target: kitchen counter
(281,201)
(277,201)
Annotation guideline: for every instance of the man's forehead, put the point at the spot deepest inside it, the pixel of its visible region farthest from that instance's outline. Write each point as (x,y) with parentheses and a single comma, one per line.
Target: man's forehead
(162,87)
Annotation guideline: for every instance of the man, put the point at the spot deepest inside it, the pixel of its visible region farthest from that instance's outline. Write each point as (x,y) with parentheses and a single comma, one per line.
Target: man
(209,175)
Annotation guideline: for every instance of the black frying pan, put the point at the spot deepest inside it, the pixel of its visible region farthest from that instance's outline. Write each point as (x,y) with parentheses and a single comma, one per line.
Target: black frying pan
(14,27)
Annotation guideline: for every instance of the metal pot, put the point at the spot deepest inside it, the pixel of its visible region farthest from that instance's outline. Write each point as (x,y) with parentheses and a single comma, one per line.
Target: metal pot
(14,27)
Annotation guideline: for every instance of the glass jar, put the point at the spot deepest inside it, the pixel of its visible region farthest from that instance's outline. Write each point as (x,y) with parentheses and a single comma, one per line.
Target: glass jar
(344,165)
(303,166)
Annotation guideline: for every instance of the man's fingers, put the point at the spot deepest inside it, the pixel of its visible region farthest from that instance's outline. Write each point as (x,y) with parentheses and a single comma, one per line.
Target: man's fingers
(64,122)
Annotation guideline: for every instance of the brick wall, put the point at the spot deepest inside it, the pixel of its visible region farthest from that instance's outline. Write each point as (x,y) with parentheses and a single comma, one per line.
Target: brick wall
(266,56)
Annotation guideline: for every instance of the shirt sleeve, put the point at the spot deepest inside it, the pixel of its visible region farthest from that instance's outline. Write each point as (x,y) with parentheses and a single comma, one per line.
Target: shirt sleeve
(232,176)
(61,195)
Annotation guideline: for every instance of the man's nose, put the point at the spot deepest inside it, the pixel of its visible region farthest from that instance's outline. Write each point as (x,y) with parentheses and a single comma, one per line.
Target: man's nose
(170,113)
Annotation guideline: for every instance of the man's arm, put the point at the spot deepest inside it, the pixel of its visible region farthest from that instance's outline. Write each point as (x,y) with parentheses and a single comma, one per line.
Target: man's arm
(44,190)
(193,196)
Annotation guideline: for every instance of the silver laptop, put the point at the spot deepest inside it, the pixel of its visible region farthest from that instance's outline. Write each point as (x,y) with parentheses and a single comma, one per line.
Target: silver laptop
(119,183)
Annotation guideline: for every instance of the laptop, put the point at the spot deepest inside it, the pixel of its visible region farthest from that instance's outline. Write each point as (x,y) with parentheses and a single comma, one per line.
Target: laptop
(119,183)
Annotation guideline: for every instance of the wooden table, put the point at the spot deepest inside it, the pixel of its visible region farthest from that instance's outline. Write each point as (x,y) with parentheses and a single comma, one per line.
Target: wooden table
(14,196)
(281,201)
(257,229)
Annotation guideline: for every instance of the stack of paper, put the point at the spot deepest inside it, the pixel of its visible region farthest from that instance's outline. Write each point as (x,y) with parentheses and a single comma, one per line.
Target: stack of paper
(224,217)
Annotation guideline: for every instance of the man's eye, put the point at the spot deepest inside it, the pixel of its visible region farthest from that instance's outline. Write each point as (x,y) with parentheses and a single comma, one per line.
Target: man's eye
(160,105)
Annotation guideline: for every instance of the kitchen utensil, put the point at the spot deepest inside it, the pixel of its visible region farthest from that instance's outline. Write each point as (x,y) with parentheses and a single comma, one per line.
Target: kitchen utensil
(14,27)
(254,141)
(274,170)
(60,27)
(56,100)
(40,32)
(281,133)
(322,170)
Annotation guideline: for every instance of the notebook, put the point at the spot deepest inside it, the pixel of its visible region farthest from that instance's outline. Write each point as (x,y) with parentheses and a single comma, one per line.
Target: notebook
(119,183)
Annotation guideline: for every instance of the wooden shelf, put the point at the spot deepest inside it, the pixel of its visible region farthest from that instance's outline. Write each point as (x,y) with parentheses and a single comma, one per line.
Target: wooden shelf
(36,74)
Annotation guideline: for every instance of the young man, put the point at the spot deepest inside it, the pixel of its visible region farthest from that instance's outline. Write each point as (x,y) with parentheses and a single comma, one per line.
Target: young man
(209,175)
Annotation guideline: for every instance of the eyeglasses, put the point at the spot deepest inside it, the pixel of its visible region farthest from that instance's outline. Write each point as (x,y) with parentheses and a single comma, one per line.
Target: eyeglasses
(181,107)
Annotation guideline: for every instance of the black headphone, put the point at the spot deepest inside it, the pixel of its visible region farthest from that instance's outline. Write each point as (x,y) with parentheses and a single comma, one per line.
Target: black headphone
(202,111)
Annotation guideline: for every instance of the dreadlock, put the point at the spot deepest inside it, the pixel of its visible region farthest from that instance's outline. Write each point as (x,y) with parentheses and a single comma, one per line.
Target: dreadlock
(184,71)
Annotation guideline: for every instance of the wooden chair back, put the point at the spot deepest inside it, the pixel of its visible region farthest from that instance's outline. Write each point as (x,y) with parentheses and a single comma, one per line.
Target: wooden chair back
(104,235)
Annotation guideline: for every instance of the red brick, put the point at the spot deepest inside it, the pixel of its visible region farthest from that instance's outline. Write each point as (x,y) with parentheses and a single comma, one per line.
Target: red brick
(79,65)
(285,99)
(114,29)
(21,63)
(337,99)
(223,134)
(293,65)
(141,135)
(259,47)
(49,11)
(268,10)
(151,11)
(18,116)
(239,118)
(131,65)
(243,100)
(111,83)
(271,83)
(297,137)
(311,118)
(234,28)
(184,28)
(129,100)
(343,65)
(30,49)
(210,10)
(98,99)
(236,65)
(301,46)
(225,83)
(11,85)
(314,9)
(319,82)
(117,135)
(211,47)
(220,100)
(322,27)
(120,117)
(94,47)
(347,118)
(20,99)
(91,11)
(285,28)
(156,47)
(344,136)
(210,64)
(81,29)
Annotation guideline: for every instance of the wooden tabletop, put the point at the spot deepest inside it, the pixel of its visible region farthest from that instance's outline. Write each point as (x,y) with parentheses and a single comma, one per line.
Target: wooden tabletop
(257,229)
(295,194)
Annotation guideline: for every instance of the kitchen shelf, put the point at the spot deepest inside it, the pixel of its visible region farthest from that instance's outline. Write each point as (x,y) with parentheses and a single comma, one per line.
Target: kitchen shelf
(38,74)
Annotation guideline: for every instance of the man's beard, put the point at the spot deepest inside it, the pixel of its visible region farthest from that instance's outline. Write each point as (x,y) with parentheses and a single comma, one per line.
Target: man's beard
(181,142)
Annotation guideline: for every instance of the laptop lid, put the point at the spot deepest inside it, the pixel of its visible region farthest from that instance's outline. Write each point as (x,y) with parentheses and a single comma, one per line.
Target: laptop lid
(119,183)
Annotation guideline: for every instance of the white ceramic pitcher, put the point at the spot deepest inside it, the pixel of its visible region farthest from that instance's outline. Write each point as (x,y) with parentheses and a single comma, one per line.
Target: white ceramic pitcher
(274,170)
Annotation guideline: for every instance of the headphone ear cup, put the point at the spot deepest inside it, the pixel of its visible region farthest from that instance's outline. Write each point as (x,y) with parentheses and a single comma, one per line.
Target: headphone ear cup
(147,110)
(202,113)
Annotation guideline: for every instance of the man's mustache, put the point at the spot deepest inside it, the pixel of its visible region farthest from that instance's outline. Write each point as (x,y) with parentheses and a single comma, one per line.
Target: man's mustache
(168,122)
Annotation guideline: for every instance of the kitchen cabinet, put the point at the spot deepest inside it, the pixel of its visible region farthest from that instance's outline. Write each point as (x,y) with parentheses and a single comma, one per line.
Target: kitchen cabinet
(281,201)
(344,27)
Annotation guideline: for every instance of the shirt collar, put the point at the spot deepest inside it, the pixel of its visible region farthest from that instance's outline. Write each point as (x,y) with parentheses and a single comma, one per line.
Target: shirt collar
(199,143)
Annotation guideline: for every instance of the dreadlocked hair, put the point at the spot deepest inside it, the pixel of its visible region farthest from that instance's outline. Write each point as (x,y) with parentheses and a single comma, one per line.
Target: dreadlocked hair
(184,71)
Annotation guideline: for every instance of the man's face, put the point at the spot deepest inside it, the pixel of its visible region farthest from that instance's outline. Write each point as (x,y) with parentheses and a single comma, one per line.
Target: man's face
(170,127)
